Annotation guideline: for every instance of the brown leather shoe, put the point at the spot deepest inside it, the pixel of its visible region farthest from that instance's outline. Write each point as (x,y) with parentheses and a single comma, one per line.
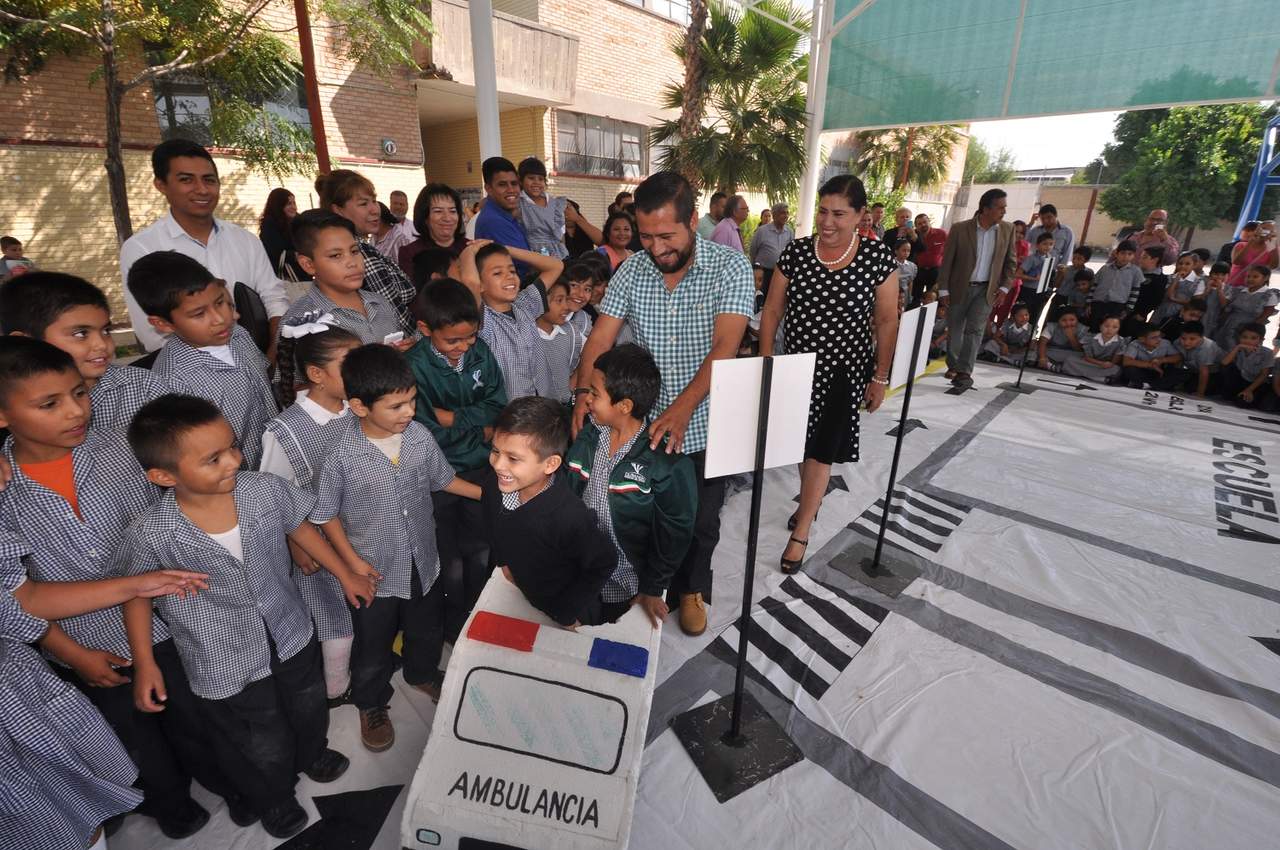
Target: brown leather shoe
(951,373)
(376,732)
(693,614)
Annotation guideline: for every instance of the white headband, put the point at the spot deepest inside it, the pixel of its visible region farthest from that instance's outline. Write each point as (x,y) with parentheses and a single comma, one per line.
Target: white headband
(318,326)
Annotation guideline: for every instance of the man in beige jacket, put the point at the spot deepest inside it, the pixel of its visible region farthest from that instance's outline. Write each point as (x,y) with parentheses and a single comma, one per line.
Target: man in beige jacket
(977,268)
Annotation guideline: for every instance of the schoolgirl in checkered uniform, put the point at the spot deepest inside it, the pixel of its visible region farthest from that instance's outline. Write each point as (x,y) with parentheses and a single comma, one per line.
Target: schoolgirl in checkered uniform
(295,447)
(62,770)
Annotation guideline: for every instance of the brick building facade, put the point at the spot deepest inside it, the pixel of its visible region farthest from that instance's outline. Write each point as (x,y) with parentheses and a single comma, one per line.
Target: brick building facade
(580,85)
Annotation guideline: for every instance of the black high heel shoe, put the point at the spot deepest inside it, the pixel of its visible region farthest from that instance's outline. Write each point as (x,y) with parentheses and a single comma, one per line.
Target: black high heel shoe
(791,523)
(790,567)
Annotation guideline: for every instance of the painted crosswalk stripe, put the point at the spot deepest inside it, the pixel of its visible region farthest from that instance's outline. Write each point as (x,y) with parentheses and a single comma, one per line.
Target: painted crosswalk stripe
(803,636)
(916,521)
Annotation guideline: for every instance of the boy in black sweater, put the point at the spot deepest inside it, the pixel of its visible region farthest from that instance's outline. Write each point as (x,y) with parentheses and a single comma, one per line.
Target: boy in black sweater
(541,534)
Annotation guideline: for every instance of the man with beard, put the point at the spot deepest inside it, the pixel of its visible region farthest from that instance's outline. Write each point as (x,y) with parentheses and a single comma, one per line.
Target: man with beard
(687,300)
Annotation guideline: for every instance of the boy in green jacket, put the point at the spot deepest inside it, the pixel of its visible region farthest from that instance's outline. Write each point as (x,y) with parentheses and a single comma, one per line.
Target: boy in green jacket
(460,394)
(645,500)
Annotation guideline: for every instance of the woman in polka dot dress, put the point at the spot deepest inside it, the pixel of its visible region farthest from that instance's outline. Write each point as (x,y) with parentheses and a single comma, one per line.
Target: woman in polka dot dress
(839,294)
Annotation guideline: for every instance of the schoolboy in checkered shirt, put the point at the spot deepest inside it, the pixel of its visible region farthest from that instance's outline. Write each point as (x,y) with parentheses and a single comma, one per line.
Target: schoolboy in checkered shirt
(248,645)
(375,506)
(73,493)
(71,313)
(644,499)
(208,355)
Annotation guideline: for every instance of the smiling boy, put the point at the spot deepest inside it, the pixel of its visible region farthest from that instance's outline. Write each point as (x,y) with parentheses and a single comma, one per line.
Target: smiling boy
(209,356)
(72,314)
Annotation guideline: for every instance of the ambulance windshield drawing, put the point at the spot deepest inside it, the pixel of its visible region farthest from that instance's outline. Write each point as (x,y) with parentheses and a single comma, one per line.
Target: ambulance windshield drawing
(539,734)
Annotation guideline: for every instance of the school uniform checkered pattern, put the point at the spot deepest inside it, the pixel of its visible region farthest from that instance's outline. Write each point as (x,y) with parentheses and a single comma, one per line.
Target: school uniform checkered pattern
(221,633)
(241,391)
(378,320)
(386,508)
(112,491)
(511,501)
(562,352)
(12,550)
(456,368)
(513,339)
(120,393)
(62,770)
(625,581)
(676,326)
(307,443)
(384,278)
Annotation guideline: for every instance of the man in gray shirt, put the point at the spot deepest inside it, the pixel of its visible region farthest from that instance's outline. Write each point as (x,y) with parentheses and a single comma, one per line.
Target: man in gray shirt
(769,240)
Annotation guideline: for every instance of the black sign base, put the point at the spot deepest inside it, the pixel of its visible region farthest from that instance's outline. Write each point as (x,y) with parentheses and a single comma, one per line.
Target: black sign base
(1017,388)
(762,751)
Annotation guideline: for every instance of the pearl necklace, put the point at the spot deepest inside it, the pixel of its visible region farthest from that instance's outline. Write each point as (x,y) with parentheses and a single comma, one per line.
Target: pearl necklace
(841,258)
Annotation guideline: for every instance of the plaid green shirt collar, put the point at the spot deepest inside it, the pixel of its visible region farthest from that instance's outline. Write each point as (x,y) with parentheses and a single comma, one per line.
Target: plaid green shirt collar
(676,326)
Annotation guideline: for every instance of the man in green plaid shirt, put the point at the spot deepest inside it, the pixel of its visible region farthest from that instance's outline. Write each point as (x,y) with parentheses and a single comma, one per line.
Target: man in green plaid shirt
(687,300)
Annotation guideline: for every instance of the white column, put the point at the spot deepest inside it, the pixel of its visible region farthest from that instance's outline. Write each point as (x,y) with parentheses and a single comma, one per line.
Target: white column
(816,102)
(486,73)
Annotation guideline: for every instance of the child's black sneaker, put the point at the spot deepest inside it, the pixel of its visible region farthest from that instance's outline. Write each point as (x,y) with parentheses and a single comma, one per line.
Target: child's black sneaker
(184,821)
(285,819)
(342,699)
(329,766)
(242,814)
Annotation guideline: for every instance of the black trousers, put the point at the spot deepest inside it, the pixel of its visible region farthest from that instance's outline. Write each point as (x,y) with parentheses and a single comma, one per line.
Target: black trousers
(694,574)
(600,612)
(169,747)
(925,280)
(273,729)
(1231,383)
(464,554)
(420,618)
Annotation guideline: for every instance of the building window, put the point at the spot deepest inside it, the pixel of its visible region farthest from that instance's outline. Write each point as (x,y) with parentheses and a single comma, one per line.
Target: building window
(185,109)
(676,10)
(587,144)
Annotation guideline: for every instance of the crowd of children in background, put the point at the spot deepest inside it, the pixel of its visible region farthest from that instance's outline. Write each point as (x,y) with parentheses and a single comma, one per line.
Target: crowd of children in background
(300,518)
(1129,324)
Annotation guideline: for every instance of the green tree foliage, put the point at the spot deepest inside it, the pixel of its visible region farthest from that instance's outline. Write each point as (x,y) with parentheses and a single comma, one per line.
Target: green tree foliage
(1119,156)
(927,151)
(1193,162)
(229,49)
(753,137)
(983,165)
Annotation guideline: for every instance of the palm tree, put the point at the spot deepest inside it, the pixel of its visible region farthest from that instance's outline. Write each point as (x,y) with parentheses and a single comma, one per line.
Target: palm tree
(694,105)
(926,151)
(754,75)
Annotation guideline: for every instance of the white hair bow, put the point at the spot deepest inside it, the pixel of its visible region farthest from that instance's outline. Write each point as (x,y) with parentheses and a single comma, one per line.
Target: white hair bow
(311,323)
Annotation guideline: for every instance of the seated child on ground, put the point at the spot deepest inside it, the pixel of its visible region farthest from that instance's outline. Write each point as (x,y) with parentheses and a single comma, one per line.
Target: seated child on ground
(1182,287)
(1073,294)
(460,394)
(375,506)
(249,650)
(544,538)
(1252,303)
(1100,355)
(1201,357)
(72,314)
(1243,378)
(1146,358)
(644,499)
(1061,340)
(1192,311)
(1011,340)
(208,355)
(295,447)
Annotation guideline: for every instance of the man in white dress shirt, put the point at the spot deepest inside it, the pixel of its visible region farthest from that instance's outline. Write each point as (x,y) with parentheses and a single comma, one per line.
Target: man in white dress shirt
(187,177)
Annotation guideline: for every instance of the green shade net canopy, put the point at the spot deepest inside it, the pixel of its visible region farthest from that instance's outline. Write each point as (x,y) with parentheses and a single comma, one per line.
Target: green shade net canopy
(900,62)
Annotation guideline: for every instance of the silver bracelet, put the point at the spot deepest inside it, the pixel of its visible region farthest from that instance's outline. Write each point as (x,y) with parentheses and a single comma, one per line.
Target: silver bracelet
(882,381)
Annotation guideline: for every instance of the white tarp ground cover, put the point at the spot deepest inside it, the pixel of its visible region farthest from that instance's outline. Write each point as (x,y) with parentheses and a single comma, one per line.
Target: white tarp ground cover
(1076,666)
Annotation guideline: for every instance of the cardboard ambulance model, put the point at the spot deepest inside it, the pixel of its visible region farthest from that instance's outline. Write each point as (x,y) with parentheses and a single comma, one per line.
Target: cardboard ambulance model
(538,737)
